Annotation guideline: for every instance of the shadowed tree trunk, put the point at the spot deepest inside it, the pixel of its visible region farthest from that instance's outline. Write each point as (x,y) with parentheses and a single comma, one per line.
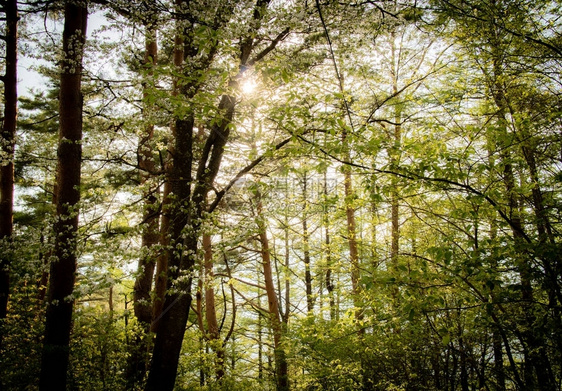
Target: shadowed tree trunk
(536,360)
(142,303)
(7,141)
(187,210)
(172,321)
(60,303)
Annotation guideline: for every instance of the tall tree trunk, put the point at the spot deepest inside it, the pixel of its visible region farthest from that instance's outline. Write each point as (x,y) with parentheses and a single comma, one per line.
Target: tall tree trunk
(536,360)
(8,140)
(150,237)
(186,213)
(497,332)
(498,359)
(352,233)
(213,332)
(306,247)
(189,204)
(287,301)
(162,262)
(552,260)
(497,346)
(161,275)
(517,229)
(463,361)
(54,360)
(328,253)
(260,331)
(199,309)
(142,303)
(173,319)
(171,323)
(281,367)
(394,153)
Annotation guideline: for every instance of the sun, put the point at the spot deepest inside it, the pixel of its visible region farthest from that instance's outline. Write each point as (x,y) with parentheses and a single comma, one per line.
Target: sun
(248,86)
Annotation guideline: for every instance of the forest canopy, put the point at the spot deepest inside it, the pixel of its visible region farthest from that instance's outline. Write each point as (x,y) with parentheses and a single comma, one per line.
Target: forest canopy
(281,195)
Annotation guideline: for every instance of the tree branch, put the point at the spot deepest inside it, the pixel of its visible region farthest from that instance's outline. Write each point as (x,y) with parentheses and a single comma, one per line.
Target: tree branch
(413,176)
(233,321)
(243,172)
(282,35)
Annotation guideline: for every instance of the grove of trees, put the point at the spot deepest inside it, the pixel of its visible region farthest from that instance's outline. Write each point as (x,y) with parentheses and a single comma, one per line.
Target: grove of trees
(281,195)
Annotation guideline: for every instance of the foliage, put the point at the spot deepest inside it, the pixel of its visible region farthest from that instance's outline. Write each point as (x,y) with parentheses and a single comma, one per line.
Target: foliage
(444,114)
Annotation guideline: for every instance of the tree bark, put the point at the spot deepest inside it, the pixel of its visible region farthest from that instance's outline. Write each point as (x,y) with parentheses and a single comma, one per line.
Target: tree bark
(54,360)
(189,194)
(394,153)
(8,139)
(182,212)
(142,304)
(161,275)
(150,237)
(498,359)
(210,309)
(537,367)
(328,252)
(281,368)
(306,248)
(180,255)
(352,234)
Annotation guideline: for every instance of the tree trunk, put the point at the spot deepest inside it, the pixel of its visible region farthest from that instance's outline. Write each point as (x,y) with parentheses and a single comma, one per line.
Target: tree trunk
(260,332)
(498,359)
(161,277)
(287,267)
(352,234)
(142,304)
(150,237)
(54,360)
(306,248)
(8,139)
(186,212)
(281,368)
(328,252)
(536,360)
(394,154)
(210,309)
(173,319)
(463,361)
(180,251)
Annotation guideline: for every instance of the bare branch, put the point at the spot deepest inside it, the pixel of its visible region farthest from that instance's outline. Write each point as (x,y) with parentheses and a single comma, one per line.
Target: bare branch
(244,171)
(282,35)
(413,176)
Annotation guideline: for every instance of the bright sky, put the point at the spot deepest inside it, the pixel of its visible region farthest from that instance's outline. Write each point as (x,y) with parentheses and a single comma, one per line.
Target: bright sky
(28,78)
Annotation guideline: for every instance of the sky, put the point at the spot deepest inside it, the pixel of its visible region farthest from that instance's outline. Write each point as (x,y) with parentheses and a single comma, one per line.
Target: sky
(28,78)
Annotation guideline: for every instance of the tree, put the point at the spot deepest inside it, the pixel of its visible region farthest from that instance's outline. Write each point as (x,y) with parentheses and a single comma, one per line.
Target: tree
(274,313)
(190,192)
(142,302)
(503,35)
(54,361)
(401,220)
(7,140)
